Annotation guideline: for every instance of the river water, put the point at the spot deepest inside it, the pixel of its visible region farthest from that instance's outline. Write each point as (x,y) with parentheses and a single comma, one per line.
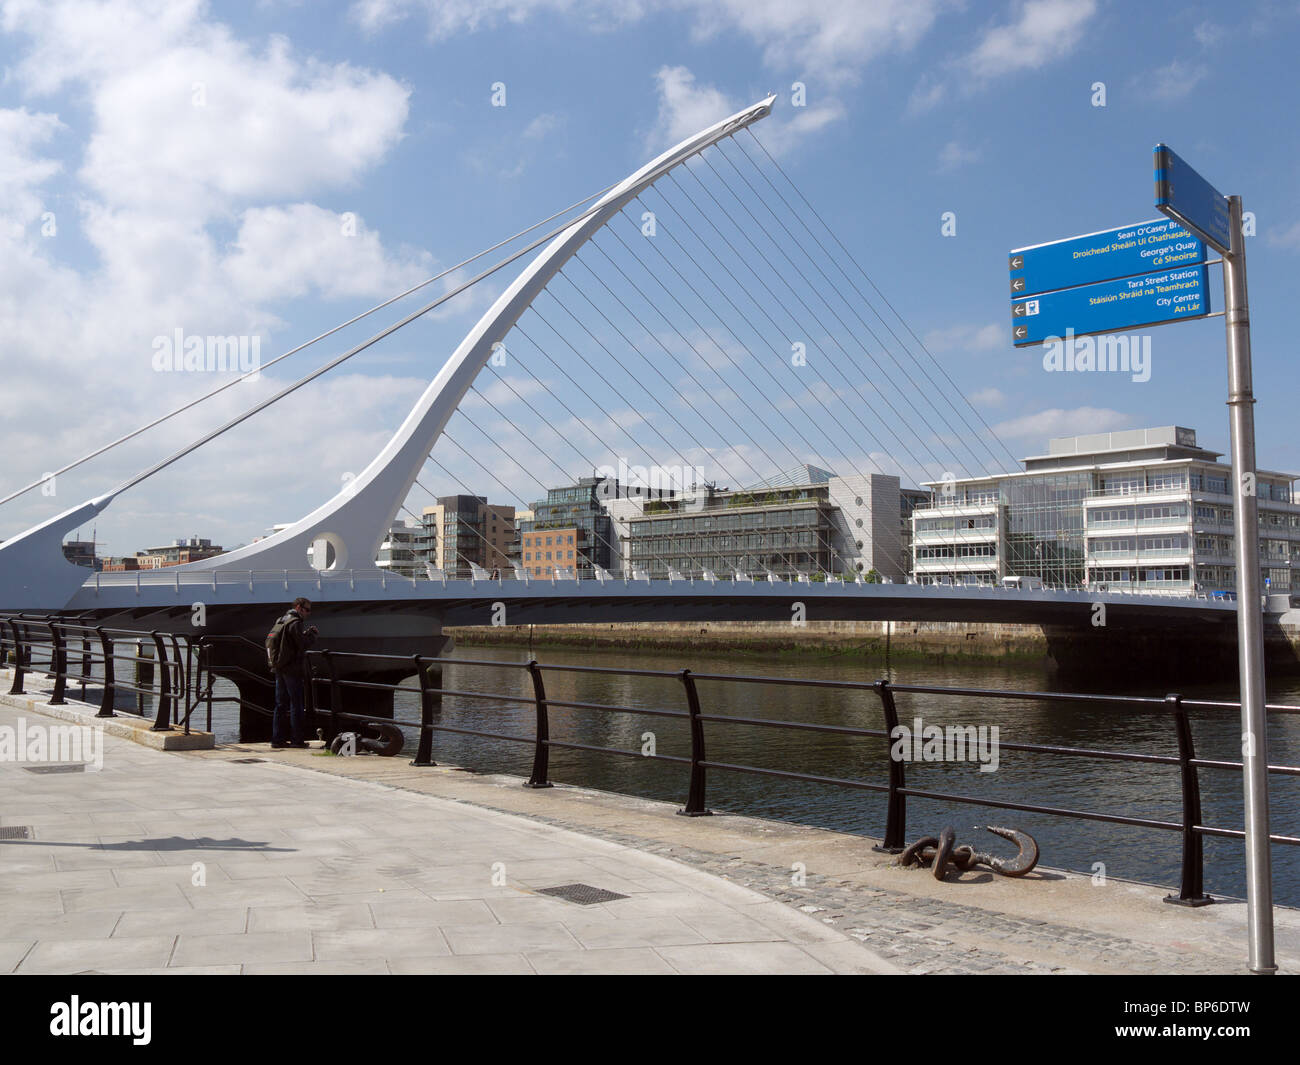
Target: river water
(1127,788)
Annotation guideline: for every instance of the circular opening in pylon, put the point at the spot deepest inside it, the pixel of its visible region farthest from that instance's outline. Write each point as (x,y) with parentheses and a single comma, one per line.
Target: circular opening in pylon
(327,552)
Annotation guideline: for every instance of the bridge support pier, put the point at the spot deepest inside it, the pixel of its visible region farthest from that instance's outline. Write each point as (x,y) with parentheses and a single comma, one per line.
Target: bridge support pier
(1107,656)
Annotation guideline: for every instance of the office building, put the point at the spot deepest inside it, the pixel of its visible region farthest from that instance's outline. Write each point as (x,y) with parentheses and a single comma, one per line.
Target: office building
(1145,510)
(803,521)
(570,530)
(462,531)
(397,553)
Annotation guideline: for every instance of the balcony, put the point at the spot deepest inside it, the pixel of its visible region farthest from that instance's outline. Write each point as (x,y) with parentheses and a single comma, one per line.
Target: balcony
(955,536)
(1137,495)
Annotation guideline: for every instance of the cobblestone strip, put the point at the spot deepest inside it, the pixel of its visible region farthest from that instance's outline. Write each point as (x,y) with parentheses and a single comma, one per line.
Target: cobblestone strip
(916,933)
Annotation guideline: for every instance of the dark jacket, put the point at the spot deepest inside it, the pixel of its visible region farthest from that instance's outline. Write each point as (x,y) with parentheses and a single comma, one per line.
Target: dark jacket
(294,641)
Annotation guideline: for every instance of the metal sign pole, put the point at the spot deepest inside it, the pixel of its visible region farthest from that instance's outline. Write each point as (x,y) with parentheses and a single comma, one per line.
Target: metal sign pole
(1250,617)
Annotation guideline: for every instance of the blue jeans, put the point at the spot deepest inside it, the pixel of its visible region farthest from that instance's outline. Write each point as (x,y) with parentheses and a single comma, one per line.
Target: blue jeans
(289,721)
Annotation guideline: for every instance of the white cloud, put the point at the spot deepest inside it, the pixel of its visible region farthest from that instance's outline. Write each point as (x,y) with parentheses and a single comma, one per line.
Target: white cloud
(686,107)
(287,252)
(1039,32)
(989,397)
(1042,30)
(160,181)
(1047,424)
(1285,238)
(829,42)
(22,170)
(1207,33)
(1171,82)
(954,155)
(543,125)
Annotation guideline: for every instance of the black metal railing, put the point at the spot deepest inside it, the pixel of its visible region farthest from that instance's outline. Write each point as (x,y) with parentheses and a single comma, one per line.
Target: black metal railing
(326,679)
(88,655)
(186,674)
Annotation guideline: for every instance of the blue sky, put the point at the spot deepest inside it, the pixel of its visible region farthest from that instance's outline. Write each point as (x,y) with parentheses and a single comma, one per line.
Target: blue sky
(195,161)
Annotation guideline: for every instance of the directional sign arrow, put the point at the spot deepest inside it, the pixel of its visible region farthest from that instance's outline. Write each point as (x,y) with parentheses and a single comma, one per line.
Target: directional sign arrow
(1017,262)
(1140,248)
(1019,332)
(1113,306)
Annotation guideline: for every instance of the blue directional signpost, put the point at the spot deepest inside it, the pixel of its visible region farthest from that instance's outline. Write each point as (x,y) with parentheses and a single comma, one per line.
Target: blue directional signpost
(1148,274)
(1144,247)
(1111,306)
(1144,274)
(1186,197)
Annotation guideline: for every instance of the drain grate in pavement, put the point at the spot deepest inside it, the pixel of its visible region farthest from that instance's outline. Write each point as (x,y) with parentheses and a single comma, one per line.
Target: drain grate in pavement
(246,761)
(69,767)
(15,832)
(582,894)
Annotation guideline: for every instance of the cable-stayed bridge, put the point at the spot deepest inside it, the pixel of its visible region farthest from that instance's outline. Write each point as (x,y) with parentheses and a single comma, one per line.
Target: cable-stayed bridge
(699,312)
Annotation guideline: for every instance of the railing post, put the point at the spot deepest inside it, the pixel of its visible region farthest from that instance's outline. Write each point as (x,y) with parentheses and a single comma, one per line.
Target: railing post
(110,681)
(163,721)
(308,694)
(181,689)
(695,796)
(58,664)
(896,808)
(16,688)
(85,663)
(205,666)
(142,673)
(424,754)
(1191,891)
(542,733)
(336,694)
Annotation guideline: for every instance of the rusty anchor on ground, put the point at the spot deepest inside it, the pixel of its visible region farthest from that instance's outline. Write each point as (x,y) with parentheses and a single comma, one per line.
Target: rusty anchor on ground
(943,853)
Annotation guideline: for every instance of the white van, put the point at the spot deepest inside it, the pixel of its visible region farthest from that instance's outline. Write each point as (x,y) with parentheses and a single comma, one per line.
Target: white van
(1028,584)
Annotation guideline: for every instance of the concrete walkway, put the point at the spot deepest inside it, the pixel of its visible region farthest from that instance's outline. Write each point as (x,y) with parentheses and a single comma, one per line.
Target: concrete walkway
(168,862)
(320,864)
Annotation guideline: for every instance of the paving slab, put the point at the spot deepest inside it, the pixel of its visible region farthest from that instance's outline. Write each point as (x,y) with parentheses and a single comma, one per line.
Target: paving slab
(171,861)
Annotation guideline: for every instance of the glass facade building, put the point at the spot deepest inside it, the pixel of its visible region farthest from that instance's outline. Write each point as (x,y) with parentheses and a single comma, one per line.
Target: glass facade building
(1144,510)
(576,513)
(783,531)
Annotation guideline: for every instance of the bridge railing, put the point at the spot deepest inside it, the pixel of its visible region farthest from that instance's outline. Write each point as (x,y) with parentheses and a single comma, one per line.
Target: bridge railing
(378,582)
(330,686)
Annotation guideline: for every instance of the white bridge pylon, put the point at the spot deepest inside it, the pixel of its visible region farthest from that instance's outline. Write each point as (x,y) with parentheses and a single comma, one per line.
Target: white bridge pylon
(35,575)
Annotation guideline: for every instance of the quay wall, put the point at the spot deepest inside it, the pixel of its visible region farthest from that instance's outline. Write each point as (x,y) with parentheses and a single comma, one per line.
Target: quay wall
(936,641)
(1146,654)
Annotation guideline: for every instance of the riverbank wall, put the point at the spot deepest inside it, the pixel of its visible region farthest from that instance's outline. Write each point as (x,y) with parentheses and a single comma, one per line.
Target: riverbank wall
(926,641)
(1147,654)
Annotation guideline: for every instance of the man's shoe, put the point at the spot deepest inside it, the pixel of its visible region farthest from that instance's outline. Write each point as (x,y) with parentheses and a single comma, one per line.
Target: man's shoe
(298,743)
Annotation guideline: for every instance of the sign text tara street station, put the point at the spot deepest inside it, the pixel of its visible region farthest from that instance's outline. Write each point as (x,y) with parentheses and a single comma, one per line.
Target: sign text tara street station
(1143,247)
(1111,306)
(1182,194)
